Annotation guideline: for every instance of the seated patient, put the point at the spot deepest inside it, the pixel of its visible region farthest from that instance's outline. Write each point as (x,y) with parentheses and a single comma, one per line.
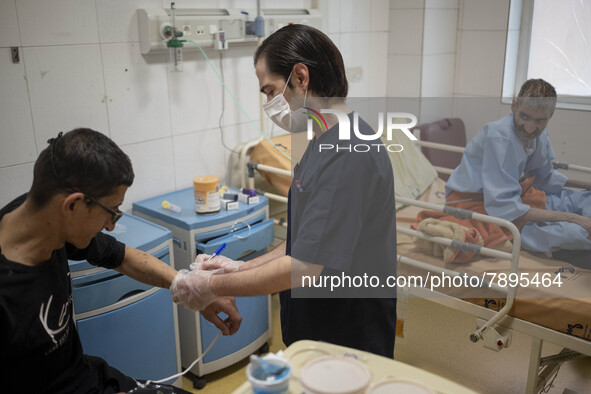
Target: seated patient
(515,148)
(79,183)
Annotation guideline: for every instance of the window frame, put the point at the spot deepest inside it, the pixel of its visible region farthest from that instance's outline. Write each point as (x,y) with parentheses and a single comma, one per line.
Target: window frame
(517,58)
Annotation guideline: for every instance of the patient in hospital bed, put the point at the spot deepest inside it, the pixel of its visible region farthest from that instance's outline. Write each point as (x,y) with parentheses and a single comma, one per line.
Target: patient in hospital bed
(506,171)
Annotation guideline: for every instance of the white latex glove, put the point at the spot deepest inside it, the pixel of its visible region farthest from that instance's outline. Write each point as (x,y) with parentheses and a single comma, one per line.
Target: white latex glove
(202,262)
(191,288)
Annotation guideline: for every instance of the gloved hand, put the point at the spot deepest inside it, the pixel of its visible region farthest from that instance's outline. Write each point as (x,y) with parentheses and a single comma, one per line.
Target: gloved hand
(191,288)
(218,262)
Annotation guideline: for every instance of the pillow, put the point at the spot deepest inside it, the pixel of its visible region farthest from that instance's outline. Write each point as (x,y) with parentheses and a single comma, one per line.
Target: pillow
(413,173)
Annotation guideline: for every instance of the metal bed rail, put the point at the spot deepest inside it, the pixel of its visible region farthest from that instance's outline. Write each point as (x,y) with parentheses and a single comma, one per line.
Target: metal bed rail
(242,161)
(468,247)
(453,148)
(540,370)
(247,168)
(255,166)
(247,171)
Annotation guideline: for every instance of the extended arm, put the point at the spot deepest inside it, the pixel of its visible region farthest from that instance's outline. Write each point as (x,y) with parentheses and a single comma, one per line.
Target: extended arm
(543,215)
(578,184)
(264,259)
(148,269)
(198,288)
(228,265)
(277,275)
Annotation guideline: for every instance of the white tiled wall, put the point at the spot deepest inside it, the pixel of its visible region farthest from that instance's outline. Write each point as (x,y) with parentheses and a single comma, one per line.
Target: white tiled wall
(441,4)
(438,73)
(117,20)
(189,112)
(57,22)
(484,14)
(16,179)
(81,66)
(363,42)
(66,89)
(421,56)
(481,47)
(480,58)
(153,165)
(239,76)
(195,152)
(366,52)
(405,48)
(331,11)
(405,4)
(379,18)
(354,18)
(440,30)
(137,111)
(439,47)
(406,31)
(18,140)
(404,75)
(9,32)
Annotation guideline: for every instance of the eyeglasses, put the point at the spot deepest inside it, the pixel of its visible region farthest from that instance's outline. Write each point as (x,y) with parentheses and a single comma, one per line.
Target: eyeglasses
(115,215)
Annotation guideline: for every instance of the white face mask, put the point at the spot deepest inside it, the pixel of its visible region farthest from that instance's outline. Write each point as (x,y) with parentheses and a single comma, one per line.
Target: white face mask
(277,109)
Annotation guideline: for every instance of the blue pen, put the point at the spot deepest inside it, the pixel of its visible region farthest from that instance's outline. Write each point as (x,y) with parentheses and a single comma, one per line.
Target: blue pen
(217,251)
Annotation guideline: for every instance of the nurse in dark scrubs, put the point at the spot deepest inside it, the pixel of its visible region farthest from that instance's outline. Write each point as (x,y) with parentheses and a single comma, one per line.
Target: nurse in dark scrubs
(341,211)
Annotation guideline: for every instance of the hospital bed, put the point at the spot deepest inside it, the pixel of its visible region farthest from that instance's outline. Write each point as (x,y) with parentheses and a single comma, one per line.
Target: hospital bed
(270,157)
(544,314)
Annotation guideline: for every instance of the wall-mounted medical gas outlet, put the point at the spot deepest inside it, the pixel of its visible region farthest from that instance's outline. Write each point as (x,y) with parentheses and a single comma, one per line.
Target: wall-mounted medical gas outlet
(203,25)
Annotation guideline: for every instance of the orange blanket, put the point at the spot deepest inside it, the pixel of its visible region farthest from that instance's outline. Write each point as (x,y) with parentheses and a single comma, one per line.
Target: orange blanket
(492,235)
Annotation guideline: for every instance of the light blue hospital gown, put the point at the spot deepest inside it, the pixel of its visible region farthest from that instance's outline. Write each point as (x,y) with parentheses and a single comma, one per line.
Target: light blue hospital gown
(494,162)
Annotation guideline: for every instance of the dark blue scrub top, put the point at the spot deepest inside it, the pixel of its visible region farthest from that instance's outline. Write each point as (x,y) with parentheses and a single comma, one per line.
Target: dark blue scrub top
(341,215)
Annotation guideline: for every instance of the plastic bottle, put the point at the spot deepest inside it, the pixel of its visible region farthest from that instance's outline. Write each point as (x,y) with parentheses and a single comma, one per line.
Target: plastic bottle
(170,206)
(207,196)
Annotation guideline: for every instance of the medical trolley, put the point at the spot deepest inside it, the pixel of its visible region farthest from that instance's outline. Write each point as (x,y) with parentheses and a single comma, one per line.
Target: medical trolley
(132,325)
(247,231)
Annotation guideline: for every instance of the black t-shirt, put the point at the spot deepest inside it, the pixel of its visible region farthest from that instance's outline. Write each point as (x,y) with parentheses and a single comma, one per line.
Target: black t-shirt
(40,350)
(341,215)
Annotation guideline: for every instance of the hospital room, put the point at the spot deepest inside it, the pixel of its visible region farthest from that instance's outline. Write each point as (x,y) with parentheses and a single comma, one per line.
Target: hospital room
(303,196)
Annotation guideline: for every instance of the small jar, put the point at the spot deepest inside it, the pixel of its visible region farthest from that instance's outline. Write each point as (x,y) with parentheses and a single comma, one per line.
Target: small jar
(207,196)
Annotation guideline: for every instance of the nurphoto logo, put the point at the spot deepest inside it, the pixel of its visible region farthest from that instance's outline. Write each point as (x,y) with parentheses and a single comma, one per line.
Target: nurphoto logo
(402,121)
